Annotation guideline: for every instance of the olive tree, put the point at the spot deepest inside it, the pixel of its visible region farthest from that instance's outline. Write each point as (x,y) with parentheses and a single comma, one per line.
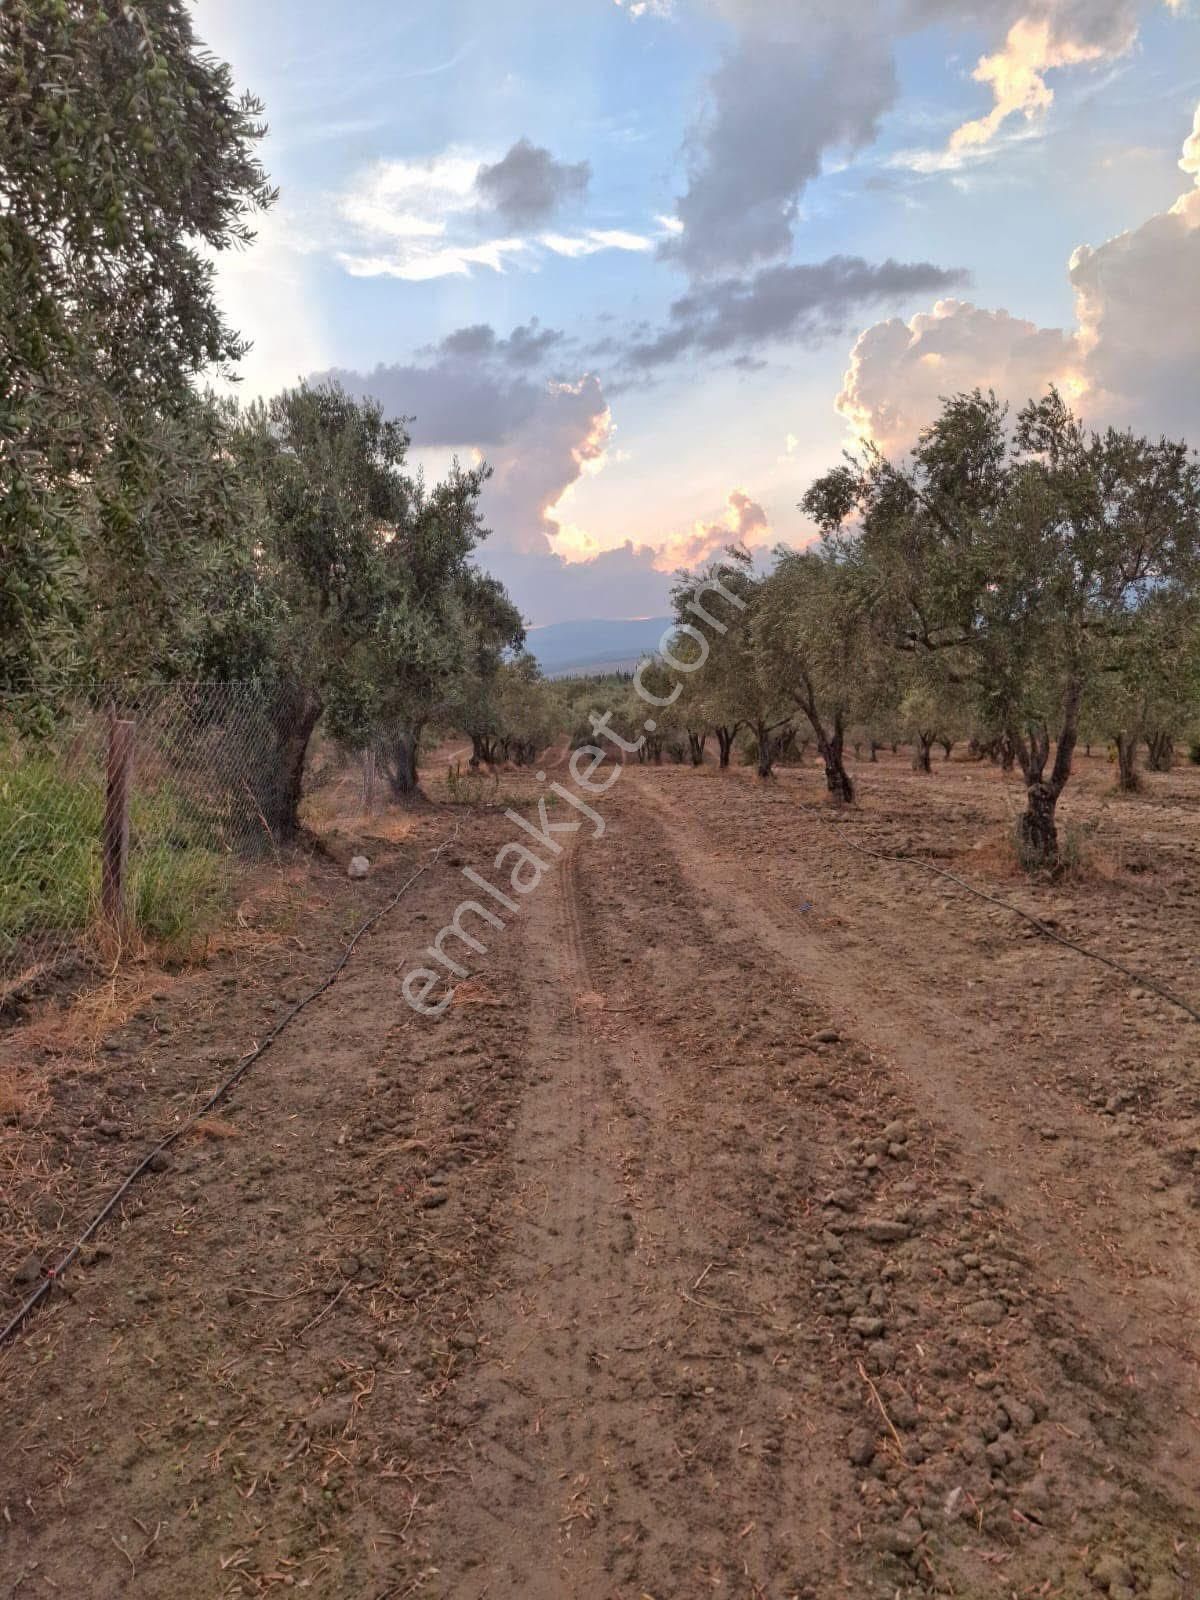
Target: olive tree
(331,492)
(1019,555)
(1149,685)
(126,159)
(721,603)
(488,699)
(931,707)
(429,611)
(812,640)
(529,713)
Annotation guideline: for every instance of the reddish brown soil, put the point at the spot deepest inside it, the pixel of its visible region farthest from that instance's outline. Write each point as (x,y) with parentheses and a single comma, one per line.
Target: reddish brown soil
(764,1220)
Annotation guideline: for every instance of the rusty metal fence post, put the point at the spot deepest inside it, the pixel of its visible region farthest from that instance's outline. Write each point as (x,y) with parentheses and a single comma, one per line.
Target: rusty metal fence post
(115,848)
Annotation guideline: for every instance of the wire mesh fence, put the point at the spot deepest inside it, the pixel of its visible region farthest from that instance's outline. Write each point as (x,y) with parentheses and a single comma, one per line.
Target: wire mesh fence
(123,823)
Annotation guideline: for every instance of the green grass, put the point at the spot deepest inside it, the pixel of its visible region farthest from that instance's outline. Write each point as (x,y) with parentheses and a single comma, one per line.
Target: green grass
(50,828)
(49,850)
(175,895)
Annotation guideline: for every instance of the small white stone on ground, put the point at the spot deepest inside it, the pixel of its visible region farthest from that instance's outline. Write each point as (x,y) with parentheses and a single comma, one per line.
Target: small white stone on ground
(359,867)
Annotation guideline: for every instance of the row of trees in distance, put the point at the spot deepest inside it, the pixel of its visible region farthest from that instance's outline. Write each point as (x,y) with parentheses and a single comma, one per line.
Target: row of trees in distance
(1021,583)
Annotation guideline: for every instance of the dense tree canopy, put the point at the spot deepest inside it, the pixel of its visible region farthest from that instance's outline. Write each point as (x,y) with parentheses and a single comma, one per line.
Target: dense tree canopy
(1023,556)
(361,588)
(126,159)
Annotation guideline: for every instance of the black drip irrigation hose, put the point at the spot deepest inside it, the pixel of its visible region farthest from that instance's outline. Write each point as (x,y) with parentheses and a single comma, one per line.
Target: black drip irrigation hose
(1006,905)
(53,1274)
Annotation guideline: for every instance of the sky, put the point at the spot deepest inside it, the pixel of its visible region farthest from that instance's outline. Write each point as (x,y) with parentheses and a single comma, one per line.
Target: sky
(659,262)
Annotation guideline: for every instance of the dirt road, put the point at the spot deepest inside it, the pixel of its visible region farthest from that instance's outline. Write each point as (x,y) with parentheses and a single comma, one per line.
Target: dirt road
(761,1221)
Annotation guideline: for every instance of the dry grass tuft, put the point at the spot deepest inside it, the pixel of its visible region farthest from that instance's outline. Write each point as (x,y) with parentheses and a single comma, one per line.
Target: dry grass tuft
(77,1027)
(475,993)
(994,856)
(16,1099)
(214,1128)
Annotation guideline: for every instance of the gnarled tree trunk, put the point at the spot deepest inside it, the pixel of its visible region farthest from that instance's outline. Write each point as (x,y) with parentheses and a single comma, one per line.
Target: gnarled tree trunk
(401,749)
(298,714)
(1161,755)
(1037,829)
(837,779)
(725,738)
(696,743)
(483,749)
(921,753)
(766,749)
(1128,781)
(831,742)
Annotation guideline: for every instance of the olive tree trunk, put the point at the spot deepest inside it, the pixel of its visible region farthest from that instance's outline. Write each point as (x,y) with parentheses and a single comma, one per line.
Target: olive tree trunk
(831,743)
(483,749)
(837,779)
(1128,781)
(401,750)
(298,714)
(1161,755)
(1038,828)
(766,749)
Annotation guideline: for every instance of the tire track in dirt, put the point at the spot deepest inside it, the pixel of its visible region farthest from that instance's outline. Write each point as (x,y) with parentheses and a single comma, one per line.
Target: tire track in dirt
(1126,1248)
(531,1492)
(997,1451)
(965,1075)
(627,1277)
(620,1448)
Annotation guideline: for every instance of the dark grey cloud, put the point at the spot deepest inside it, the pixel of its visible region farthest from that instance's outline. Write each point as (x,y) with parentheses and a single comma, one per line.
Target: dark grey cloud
(803,302)
(473,342)
(1103,24)
(529,344)
(469,392)
(800,79)
(526,346)
(453,400)
(528,185)
(474,388)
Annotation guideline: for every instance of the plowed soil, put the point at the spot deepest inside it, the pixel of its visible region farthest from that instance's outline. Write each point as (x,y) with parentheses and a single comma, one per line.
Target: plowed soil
(764,1219)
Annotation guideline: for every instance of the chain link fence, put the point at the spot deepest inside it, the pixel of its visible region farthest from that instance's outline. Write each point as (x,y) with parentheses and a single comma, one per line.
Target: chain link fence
(123,823)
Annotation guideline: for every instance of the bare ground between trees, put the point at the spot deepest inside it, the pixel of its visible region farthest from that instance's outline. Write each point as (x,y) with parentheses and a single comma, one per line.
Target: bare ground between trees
(761,1221)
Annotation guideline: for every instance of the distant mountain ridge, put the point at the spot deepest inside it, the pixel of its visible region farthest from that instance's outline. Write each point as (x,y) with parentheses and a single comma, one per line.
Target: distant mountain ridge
(598,645)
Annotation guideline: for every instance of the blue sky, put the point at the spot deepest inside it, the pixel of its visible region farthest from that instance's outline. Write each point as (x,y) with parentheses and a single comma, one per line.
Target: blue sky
(803,181)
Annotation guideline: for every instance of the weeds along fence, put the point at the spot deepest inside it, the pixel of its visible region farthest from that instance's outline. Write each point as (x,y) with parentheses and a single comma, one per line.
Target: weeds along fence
(124,818)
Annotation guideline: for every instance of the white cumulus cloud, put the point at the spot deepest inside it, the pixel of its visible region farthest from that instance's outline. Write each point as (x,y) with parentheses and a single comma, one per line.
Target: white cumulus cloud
(593,241)
(1130,360)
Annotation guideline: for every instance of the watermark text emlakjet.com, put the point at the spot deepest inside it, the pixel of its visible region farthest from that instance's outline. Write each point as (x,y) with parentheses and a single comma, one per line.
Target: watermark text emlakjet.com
(523,863)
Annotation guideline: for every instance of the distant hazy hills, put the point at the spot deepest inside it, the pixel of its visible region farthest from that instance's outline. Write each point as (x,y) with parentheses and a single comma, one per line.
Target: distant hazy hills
(597,646)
